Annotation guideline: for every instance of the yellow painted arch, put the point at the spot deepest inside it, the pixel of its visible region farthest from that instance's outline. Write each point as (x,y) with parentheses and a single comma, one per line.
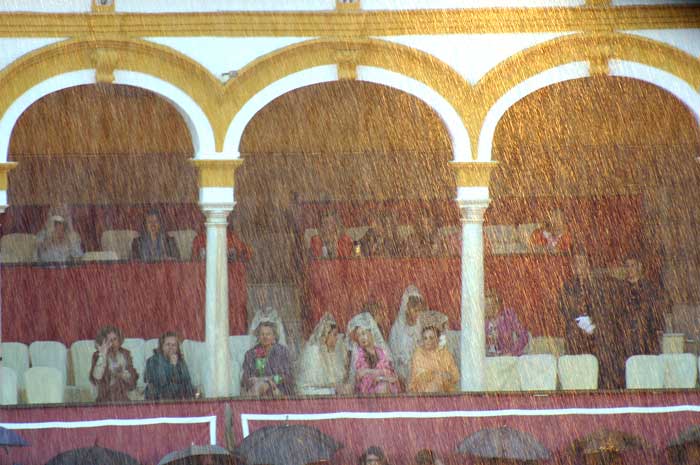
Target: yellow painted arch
(132,55)
(576,48)
(400,59)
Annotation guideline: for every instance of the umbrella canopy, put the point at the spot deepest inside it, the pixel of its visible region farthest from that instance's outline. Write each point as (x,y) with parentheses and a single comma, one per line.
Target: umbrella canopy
(9,438)
(503,443)
(287,445)
(91,456)
(607,441)
(678,449)
(209,454)
(687,436)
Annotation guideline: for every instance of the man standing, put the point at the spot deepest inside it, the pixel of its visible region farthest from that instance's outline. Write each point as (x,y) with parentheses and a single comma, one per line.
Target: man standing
(632,326)
(580,302)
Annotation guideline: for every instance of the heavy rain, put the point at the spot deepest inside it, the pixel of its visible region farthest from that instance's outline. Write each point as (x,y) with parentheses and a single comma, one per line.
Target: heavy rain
(349,232)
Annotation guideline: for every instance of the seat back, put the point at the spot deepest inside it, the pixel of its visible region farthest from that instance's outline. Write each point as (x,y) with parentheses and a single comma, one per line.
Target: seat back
(644,372)
(118,241)
(50,354)
(81,353)
(44,385)
(18,248)
(195,358)
(538,372)
(454,344)
(238,346)
(149,346)
(578,372)
(8,386)
(501,374)
(183,239)
(138,356)
(100,256)
(680,371)
(15,355)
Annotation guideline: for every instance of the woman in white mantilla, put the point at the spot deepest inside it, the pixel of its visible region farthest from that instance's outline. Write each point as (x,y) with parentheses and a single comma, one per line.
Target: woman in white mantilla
(406,332)
(324,359)
(371,366)
(266,312)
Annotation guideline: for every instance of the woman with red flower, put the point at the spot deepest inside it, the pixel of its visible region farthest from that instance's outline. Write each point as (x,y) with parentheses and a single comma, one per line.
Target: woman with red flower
(267,370)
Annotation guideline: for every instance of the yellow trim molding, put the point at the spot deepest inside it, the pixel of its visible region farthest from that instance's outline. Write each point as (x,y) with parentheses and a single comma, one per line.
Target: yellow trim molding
(473,173)
(217,173)
(220,102)
(5,168)
(348,23)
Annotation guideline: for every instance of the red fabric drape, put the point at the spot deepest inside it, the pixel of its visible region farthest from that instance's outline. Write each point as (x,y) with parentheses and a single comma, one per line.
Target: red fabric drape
(143,299)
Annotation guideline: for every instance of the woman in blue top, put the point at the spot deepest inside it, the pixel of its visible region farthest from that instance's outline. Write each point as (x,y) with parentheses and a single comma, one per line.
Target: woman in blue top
(167,376)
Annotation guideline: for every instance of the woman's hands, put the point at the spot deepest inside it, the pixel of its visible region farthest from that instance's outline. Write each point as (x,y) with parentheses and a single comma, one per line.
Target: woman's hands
(104,347)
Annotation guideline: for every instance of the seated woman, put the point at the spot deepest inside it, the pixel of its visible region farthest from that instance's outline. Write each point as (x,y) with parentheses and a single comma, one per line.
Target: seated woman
(112,370)
(331,241)
(266,312)
(505,335)
(324,359)
(58,242)
(267,368)
(554,236)
(405,332)
(432,368)
(371,368)
(153,244)
(166,375)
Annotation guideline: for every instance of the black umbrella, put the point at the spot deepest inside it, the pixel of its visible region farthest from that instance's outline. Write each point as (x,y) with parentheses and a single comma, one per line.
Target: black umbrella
(91,456)
(195,455)
(287,445)
(503,443)
(9,438)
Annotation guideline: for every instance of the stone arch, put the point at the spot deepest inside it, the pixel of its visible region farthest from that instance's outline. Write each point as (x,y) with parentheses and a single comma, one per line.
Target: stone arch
(571,58)
(136,63)
(396,66)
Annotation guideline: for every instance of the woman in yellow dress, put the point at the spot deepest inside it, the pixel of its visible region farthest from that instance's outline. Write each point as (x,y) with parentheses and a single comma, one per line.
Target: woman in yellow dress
(433,368)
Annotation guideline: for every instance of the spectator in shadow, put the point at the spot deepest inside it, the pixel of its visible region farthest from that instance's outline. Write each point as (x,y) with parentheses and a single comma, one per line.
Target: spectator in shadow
(58,242)
(153,244)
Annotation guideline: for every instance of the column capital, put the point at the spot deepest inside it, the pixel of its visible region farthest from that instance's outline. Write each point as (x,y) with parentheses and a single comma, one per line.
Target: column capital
(472,211)
(216,172)
(473,173)
(216,213)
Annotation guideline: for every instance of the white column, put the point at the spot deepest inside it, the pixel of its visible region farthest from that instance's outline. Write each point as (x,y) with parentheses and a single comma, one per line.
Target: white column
(473,342)
(217,374)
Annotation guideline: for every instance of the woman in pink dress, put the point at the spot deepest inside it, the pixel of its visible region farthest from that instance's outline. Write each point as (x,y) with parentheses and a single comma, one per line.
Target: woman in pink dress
(371,367)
